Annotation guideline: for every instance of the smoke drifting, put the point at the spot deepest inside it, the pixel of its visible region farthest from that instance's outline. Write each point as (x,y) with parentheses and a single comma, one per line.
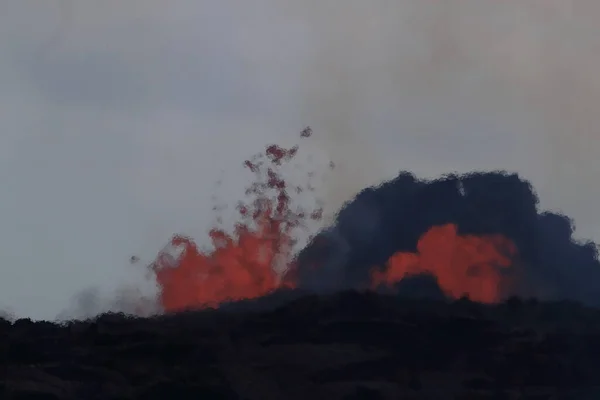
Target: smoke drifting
(334,104)
(456,75)
(549,262)
(473,85)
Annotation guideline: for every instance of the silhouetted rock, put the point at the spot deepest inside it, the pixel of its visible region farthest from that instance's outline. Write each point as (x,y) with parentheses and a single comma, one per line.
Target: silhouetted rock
(420,286)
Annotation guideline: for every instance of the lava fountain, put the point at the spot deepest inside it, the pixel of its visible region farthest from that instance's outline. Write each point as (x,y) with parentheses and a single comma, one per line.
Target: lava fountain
(476,266)
(247,263)
(243,264)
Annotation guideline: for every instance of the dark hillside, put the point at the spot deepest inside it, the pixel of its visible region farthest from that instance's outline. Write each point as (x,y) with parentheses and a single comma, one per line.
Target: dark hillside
(344,346)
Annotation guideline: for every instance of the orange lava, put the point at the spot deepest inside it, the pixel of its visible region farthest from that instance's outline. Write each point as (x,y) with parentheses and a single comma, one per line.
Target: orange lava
(242,265)
(245,264)
(477,266)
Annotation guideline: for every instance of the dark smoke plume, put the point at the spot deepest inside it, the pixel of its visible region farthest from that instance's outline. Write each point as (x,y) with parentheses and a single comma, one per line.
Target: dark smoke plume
(391,217)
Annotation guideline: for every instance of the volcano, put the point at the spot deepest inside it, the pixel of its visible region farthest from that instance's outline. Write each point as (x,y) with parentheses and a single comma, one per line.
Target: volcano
(408,293)
(479,235)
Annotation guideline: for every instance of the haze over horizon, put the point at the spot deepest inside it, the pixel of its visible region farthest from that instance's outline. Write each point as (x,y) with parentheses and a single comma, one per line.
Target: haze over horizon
(118,119)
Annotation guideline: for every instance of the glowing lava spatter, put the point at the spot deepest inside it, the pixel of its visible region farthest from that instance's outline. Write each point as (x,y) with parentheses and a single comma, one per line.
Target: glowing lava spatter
(470,265)
(246,263)
(242,265)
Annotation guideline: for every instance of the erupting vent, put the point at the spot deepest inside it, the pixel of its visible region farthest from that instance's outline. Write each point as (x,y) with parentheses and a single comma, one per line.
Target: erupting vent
(478,235)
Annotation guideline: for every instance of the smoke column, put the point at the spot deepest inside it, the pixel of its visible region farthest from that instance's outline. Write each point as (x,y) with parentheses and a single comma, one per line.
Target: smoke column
(335,101)
(451,81)
(551,264)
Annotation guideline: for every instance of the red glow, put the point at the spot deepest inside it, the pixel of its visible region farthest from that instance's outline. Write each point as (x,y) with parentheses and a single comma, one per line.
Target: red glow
(243,264)
(471,265)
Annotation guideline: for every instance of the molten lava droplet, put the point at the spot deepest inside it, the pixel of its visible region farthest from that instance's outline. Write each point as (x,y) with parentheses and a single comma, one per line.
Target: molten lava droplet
(307,132)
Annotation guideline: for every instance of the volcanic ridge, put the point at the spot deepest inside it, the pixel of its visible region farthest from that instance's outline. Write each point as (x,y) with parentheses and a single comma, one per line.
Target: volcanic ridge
(349,345)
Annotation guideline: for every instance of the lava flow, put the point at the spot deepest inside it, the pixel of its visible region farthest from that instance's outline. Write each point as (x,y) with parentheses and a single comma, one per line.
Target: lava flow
(245,264)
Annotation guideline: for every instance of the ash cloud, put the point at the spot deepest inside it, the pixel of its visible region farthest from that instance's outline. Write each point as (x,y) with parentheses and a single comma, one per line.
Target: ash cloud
(552,264)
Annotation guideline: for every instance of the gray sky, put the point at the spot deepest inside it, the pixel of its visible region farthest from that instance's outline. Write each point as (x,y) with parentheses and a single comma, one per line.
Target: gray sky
(118,117)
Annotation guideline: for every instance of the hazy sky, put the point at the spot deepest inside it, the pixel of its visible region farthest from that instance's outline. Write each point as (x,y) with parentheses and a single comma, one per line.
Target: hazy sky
(117,118)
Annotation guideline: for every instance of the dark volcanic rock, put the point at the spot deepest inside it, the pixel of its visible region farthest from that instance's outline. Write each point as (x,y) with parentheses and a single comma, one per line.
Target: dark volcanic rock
(346,346)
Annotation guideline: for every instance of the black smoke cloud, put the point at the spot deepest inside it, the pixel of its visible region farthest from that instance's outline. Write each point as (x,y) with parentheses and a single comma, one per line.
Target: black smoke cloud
(392,217)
